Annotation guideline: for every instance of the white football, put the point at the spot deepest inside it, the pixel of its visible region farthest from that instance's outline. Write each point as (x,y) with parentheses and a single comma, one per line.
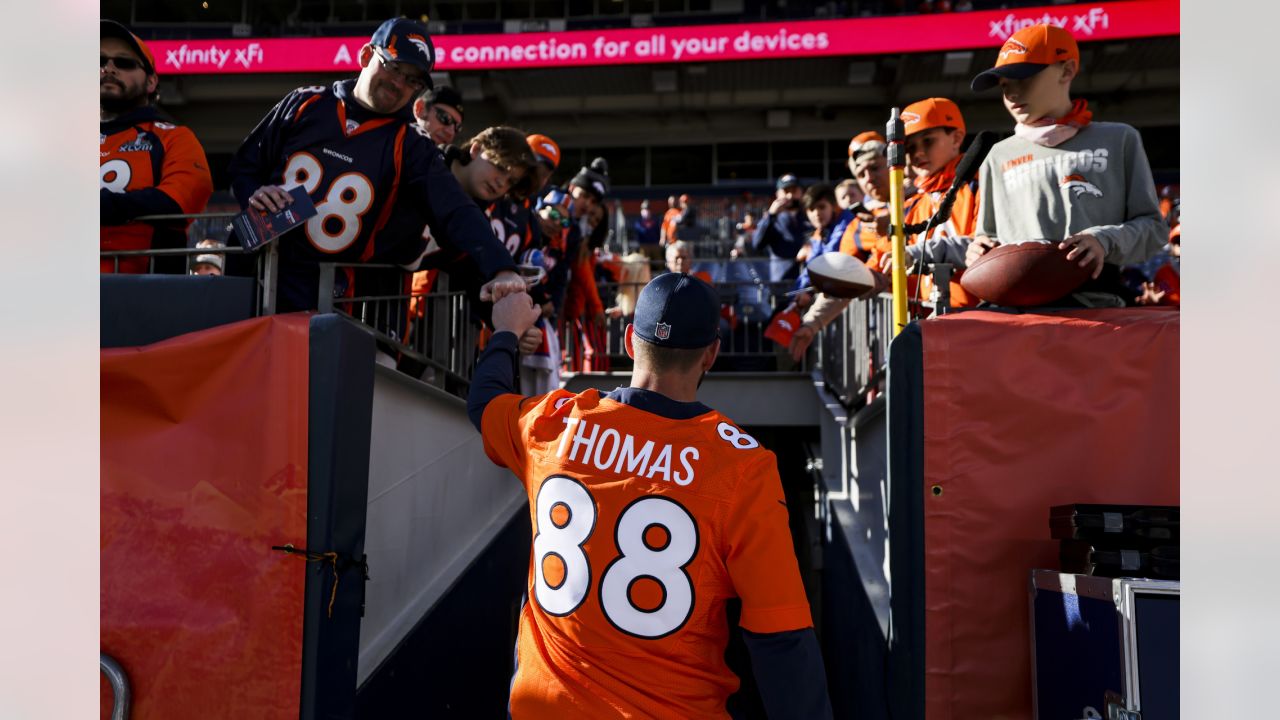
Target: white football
(840,275)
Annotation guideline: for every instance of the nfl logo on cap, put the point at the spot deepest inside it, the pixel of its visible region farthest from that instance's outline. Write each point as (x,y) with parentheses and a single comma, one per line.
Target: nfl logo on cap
(662,331)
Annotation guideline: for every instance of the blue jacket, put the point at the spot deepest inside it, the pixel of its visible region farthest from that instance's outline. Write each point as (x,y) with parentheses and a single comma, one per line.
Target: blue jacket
(782,235)
(831,236)
(647,231)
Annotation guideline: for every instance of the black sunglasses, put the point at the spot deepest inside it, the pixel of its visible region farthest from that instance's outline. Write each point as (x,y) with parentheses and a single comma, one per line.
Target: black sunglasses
(446,119)
(122,63)
(395,67)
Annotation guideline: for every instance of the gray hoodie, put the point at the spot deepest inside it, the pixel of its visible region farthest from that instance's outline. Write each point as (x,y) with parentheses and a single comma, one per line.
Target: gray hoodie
(1098,182)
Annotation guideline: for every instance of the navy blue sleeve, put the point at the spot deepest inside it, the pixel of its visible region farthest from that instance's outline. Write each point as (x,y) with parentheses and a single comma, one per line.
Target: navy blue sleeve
(495,374)
(449,211)
(765,232)
(258,155)
(119,208)
(790,674)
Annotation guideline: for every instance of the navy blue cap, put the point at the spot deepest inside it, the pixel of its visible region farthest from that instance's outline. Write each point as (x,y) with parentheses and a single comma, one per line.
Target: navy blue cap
(677,310)
(406,41)
(787,181)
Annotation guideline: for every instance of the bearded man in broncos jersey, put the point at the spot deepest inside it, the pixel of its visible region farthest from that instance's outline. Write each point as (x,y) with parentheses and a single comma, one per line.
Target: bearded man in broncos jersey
(146,166)
(354,147)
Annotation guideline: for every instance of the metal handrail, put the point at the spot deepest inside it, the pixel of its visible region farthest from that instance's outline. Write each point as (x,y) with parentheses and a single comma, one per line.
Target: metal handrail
(266,274)
(742,341)
(119,679)
(432,329)
(853,350)
(440,338)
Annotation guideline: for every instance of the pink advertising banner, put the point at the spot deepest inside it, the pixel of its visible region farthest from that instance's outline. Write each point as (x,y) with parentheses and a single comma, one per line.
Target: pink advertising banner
(687,44)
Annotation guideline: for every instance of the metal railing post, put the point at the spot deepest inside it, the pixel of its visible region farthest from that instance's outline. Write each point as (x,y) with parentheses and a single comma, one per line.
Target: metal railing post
(324,301)
(122,697)
(270,278)
(942,286)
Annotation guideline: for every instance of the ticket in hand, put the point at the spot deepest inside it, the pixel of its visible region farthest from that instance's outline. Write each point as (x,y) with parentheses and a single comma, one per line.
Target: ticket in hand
(256,228)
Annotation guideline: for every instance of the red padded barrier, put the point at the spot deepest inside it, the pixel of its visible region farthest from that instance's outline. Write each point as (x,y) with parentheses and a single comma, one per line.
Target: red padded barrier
(204,468)
(1023,412)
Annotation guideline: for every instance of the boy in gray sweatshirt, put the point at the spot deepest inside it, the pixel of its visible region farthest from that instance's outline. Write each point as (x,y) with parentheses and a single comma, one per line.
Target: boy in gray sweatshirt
(1062,178)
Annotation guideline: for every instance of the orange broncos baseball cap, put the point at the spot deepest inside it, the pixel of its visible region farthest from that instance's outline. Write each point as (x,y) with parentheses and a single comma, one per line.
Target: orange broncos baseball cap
(863,138)
(1026,53)
(931,113)
(545,148)
(111,28)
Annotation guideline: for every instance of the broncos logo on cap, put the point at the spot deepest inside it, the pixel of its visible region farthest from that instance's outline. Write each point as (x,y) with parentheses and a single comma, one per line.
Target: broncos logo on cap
(1012,47)
(1079,186)
(421,43)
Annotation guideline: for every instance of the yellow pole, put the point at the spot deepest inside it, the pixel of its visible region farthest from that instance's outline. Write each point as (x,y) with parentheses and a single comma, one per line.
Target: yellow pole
(894,132)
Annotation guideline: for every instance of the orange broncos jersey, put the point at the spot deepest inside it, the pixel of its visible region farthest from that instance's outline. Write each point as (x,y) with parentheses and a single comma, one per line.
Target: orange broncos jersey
(644,527)
(668,226)
(962,223)
(152,154)
(860,238)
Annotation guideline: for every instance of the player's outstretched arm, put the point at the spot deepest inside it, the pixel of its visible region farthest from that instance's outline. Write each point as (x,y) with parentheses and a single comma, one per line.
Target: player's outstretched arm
(496,369)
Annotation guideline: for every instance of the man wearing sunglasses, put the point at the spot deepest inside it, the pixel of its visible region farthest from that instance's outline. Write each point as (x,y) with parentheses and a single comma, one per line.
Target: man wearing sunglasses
(439,111)
(146,166)
(356,150)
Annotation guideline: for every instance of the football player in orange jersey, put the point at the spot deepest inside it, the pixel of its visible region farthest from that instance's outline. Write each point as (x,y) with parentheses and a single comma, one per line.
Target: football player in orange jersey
(146,166)
(650,512)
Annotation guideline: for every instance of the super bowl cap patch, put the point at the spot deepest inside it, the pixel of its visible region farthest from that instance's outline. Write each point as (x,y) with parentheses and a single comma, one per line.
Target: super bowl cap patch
(679,311)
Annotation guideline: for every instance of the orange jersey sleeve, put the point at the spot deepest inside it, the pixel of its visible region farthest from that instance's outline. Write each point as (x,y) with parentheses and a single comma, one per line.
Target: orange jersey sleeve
(760,557)
(962,223)
(503,428)
(185,176)
(860,238)
(129,162)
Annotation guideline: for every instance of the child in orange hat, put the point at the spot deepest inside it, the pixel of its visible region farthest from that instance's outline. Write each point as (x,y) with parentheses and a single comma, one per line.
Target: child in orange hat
(1062,177)
(935,130)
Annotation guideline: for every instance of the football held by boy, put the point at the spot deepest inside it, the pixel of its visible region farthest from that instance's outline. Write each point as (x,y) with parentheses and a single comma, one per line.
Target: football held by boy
(1062,177)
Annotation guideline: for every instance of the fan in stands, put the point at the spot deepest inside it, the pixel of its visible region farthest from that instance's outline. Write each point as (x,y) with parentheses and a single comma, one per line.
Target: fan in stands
(1025,274)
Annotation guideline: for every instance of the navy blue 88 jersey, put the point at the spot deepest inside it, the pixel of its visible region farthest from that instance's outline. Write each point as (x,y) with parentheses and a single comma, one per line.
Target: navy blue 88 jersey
(360,168)
(514,224)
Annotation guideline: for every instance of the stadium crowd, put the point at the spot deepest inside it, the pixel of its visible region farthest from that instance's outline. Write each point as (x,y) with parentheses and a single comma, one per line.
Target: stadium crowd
(399,187)
(375,178)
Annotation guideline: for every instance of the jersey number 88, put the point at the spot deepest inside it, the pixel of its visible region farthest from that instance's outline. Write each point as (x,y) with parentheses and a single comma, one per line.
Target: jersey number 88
(656,538)
(336,223)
